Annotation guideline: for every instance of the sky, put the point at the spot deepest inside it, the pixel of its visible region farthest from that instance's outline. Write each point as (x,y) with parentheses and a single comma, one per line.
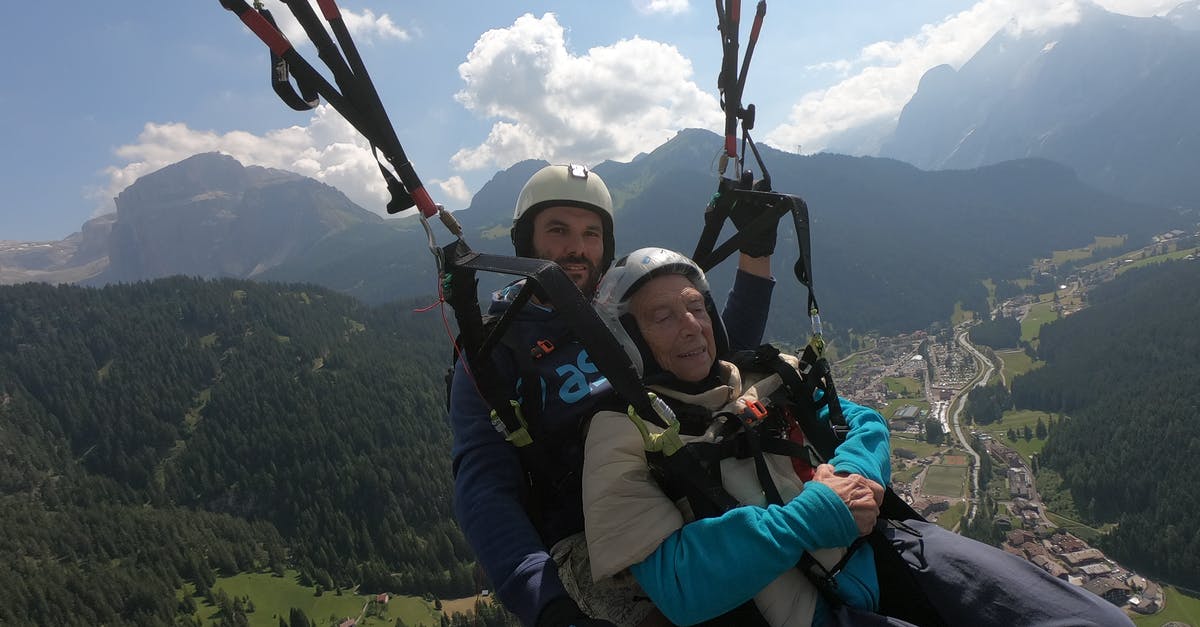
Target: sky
(98,94)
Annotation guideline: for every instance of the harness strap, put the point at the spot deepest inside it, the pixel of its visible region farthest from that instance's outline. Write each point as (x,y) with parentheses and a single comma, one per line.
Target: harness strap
(360,107)
(307,98)
(751,418)
(771,207)
(825,579)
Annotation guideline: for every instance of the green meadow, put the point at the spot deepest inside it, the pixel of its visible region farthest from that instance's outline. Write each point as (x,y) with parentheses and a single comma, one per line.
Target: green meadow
(907,387)
(1181,608)
(1017,363)
(1039,314)
(274,597)
(1017,420)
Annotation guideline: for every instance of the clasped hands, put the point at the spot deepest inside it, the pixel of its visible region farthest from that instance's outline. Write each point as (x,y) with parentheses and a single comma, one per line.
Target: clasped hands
(861,495)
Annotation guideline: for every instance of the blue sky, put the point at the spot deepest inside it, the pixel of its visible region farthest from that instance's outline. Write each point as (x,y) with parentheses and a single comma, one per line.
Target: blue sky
(99,93)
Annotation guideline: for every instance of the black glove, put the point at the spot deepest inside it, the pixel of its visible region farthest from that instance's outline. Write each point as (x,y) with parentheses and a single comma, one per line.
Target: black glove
(564,612)
(743,212)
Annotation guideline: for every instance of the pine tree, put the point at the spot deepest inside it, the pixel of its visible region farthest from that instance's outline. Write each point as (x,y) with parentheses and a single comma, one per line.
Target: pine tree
(297,618)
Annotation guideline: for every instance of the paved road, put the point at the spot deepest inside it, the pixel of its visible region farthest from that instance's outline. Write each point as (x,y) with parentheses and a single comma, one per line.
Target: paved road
(956,404)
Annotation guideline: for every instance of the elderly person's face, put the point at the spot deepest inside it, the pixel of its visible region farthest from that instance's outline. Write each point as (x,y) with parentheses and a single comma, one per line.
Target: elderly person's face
(671,316)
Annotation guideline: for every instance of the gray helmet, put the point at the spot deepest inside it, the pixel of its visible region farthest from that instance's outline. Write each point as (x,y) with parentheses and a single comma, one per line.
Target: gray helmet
(631,273)
(567,186)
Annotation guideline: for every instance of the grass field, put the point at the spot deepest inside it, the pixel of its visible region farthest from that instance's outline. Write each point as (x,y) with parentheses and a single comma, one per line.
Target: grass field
(465,605)
(949,481)
(1180,607)
(1178,254)
(1017,363)
(904,386)
(907,475)
(950,518)
(961,315)
(274,597)
(1016,420)
(1084,532)
(1063,256)
(850,361)
(1038,315)
(922,449)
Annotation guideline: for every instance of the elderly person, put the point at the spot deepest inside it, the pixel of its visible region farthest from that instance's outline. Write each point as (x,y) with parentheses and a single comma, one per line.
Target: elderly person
(657,303)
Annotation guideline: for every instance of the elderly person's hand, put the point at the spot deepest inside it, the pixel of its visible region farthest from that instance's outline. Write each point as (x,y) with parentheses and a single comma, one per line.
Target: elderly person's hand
(861,495)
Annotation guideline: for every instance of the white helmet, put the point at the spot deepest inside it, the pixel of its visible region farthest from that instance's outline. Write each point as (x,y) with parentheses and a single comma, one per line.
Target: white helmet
(631,273)
(562,185)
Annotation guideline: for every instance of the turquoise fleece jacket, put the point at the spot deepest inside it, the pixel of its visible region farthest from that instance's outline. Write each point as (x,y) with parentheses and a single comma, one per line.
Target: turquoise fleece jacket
(713,565)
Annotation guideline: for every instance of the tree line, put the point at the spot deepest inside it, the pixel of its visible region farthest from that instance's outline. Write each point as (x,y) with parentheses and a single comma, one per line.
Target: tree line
(1125,371)
(176,430)
(999,333)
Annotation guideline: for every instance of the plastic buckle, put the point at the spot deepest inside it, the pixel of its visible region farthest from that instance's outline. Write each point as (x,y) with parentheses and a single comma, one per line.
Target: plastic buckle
(541,348)
(754,413)
(519,437)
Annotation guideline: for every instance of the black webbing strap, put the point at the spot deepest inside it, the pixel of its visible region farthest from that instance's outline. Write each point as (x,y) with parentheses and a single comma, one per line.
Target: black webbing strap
(368,99)
(751,418)
(727,81)
(687,475)
(307,98)
(771,207)
(327,51)
(360,106)
(352,78)
(825,437)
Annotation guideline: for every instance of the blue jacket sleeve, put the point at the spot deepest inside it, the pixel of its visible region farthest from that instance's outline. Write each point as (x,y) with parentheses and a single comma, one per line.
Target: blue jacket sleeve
(705,569)
(745,313)
(713,565)
(867,449)
(487,503)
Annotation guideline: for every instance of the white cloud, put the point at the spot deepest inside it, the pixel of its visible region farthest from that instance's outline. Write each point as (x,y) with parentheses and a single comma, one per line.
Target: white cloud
(669,7)
(370,26)
(454,188)
(363,25)
(1140,8)
(328,149)
(885,75)
(611,103)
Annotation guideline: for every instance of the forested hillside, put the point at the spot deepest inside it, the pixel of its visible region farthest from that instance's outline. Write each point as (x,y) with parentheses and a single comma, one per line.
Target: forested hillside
(1126,370)
(155,433)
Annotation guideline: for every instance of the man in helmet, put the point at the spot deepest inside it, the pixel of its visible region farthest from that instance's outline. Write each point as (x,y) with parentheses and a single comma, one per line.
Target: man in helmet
(514,506)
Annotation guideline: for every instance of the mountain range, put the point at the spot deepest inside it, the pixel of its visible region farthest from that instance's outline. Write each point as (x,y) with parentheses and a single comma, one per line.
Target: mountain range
(1040,142)
(1111,96)
(894,247)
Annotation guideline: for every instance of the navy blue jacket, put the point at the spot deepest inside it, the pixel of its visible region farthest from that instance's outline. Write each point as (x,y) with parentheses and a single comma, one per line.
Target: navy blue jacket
(490,488)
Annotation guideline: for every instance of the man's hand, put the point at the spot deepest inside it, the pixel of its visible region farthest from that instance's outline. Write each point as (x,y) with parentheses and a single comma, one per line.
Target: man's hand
(742,213)
(563,612)
(861,495)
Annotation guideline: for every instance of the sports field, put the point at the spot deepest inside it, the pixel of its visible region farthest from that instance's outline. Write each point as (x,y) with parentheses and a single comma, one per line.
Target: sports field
(948,481)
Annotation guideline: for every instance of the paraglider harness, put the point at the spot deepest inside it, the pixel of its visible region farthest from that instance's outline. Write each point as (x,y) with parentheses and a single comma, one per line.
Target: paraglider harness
(785,423)
(356,99)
